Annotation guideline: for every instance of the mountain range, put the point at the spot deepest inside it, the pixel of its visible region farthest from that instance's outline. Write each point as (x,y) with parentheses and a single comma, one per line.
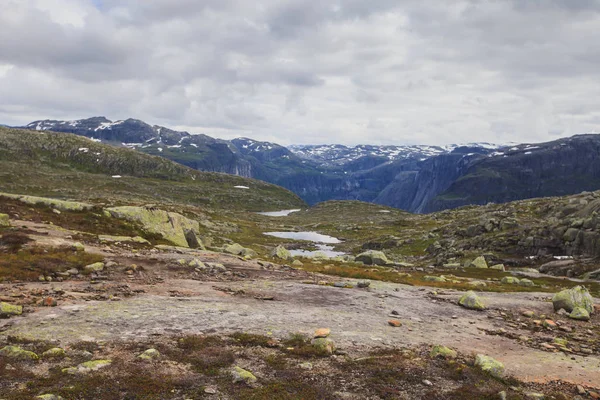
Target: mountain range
(416,178)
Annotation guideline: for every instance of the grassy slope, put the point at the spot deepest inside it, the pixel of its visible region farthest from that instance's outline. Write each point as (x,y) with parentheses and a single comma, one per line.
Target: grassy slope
(57,165)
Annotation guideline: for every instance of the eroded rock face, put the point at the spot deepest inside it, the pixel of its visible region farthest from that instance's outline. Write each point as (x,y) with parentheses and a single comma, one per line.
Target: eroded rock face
(569,299)
(372,257)
(171,226)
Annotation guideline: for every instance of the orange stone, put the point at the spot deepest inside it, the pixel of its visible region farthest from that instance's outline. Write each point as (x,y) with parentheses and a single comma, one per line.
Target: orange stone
(395,323)
(322,332)
(549,323)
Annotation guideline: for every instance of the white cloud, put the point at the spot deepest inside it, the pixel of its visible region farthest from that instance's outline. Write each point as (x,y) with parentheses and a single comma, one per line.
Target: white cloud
(295,71)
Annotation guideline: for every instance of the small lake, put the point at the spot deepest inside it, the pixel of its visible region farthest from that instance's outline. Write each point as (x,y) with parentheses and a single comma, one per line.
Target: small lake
(321,241)
(282,213)
(309,236)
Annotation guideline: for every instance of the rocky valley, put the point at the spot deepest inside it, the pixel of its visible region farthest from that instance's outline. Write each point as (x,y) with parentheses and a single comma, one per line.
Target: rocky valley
(124,275)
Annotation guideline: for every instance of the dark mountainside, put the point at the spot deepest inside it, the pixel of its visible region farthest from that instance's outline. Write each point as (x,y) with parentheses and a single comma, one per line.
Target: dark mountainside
(414,178)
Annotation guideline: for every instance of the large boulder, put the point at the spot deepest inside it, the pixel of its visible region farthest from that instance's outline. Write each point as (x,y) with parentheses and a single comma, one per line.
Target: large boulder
(479,262)
(372,257)
(54,203)
(281,253)
(471,301)
(17,353)
(558,267)
(4,221)
(170,226)
(569,299)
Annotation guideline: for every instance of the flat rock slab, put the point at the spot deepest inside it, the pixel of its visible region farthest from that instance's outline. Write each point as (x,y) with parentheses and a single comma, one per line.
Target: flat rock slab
(357,318)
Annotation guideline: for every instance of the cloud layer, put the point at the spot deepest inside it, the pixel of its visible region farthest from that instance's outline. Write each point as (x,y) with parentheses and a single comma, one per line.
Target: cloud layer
(297,71)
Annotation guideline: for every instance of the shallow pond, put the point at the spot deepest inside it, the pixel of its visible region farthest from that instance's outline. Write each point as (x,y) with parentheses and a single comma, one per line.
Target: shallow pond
(309,236)
(321,241)
(282,213)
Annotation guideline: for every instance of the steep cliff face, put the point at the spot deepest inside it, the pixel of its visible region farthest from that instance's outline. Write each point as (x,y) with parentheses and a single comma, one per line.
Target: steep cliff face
(414,187)
(561,167)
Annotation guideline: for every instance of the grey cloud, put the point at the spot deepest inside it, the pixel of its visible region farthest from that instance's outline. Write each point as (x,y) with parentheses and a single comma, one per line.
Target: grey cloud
(346,71)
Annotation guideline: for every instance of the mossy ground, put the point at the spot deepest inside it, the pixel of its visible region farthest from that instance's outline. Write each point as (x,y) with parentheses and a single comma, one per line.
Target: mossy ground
(189,365)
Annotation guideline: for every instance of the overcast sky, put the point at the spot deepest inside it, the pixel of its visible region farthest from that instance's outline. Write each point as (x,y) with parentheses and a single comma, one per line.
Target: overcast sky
(309,71)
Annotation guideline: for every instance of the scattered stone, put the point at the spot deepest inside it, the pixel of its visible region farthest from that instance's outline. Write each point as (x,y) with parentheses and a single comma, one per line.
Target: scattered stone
(548,323)
(372,257)
(569,299)
(363,284)
(88,367)
(17,353)
(149,355)
(443,352)
(479,262)
(195,263)
(430,278)
(324,345)
(281,253)
(77,246)
(49,397)
(528,314)
(477,283)
(55,352)
(510,280)
(526,282)
(533,395)
(581,390)
(498,267)
(4,221)
(322,333)
(49,302)
(95,267)
(502,395)
(471,301)
(427,382)
(306,365)
(488,364)
(241,375)
(395,323)
(580,313)
(8,310)
(297,263)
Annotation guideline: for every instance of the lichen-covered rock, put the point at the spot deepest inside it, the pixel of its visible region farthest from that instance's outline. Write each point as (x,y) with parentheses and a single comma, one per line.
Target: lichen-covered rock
(77,246)
(242,375)
(487,364)
(55,352)
(57,204)
(118,239)
(239,250)
(281,253)
(510,280)
(471,301)
(195,263)
(479,262)
(17,353)
(95,267)
(580,313)
(171,226)
(442,351)
(88,367)
(320,256)
(49,397)
(297,263)
(4,221)
(569,299)
(430,278)
(8,310)
(150,354)
(526,282)
(371,257)
(498,267)
(323,345)
(477,283)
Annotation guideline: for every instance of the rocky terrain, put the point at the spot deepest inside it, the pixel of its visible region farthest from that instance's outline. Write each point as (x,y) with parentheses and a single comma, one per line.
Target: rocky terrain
(127,276)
